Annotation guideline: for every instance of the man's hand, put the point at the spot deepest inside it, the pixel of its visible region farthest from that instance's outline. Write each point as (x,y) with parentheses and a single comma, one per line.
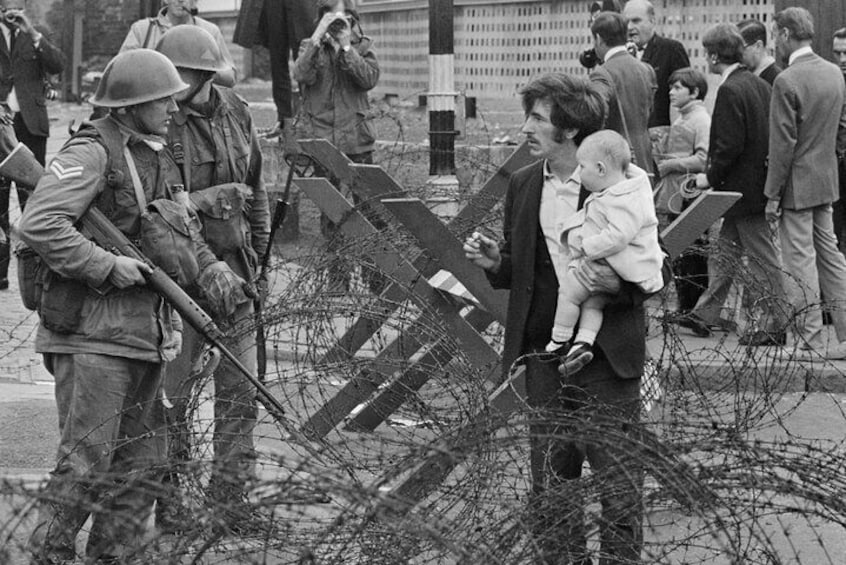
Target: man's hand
(773,211)
(666,166)
(599,277)
(127,272)
(19,19)
(224,289)
(344,36)
(272,132)
(177,341)
(702,181)
(483,252)
(323,26)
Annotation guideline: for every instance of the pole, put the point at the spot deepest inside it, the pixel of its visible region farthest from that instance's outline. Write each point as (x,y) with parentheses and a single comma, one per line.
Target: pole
(76,54)
(69,74)
(441,97)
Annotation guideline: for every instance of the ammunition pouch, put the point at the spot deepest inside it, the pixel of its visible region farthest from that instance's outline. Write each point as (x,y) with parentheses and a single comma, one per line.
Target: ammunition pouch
(61,302)
(166,240)
(223,211)
(31,272)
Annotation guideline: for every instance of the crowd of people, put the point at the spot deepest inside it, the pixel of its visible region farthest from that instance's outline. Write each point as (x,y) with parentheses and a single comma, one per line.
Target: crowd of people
(576,234)
(580,233)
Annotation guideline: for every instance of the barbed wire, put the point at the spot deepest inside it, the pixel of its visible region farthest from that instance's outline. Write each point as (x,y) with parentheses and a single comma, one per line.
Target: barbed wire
(727,478)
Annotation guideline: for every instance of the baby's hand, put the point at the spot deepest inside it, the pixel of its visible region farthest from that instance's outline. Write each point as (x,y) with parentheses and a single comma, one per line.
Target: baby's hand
(574,242)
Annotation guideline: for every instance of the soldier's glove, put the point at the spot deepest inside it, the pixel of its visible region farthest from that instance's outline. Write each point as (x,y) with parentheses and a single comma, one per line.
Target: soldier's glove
(224,289)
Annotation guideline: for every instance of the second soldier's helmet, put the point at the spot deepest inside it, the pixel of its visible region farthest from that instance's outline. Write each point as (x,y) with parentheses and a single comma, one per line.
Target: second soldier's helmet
(135,77)
(190,47)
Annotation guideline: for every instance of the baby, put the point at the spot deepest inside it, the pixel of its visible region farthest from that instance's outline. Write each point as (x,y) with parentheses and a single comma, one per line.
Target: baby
(617,226)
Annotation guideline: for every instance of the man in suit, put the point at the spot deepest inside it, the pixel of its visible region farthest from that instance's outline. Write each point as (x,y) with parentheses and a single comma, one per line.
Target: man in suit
(756,57)
(737,161)
(627,85)
(26,58)
(807,132)
(561,110)
(838,50)
(663,54)
(282,28)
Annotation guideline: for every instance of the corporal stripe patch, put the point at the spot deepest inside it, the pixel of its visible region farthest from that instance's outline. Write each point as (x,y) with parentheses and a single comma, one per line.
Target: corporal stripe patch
(62,172)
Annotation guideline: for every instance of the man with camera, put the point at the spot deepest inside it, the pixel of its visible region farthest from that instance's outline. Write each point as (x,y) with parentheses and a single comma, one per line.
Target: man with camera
(336,68)
(26,59)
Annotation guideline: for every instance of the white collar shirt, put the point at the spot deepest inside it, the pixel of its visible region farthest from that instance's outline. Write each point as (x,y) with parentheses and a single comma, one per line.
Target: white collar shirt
(559,201)
(613,51)
(806,50)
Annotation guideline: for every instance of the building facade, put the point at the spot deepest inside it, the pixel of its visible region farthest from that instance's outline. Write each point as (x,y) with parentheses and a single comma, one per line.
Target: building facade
(500,44)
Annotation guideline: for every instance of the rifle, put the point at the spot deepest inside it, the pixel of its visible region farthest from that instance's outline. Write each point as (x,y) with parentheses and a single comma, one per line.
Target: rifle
(106,235)
(279,212)
(21,166)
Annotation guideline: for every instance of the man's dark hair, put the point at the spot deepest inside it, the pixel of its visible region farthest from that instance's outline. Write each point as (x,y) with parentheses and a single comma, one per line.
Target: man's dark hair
(326,6)
(798,21)
(724,41)
(840,33)
(607,6)
(691,79)
(752,31)
(575,103)
(611,27)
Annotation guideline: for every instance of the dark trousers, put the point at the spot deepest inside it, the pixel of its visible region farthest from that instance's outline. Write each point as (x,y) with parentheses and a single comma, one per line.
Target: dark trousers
(591,416)
(690,269)
(839,219)
(285,25)
(38,145)
(839,208)
(691,275)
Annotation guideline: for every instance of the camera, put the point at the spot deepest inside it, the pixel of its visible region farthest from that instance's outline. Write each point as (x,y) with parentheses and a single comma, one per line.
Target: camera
(589,58)
(338,25)
(12,16)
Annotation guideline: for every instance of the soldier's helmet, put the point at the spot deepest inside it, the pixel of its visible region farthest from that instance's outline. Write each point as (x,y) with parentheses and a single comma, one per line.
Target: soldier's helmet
(191,47)
(135,77)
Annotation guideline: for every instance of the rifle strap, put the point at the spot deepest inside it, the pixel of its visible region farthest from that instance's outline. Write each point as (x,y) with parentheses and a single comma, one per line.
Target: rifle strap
(150,23)
(136,180)
(186,159)
(227,136)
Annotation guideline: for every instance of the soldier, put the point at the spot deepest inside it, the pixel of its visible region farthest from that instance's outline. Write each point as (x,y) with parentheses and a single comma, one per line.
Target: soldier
(104,335)
(335,69)
(216,148)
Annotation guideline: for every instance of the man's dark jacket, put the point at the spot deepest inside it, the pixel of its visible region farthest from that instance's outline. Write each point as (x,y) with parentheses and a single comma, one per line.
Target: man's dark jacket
(528,272)
(770,73)
(739,140)
(666,56)
(25,68)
